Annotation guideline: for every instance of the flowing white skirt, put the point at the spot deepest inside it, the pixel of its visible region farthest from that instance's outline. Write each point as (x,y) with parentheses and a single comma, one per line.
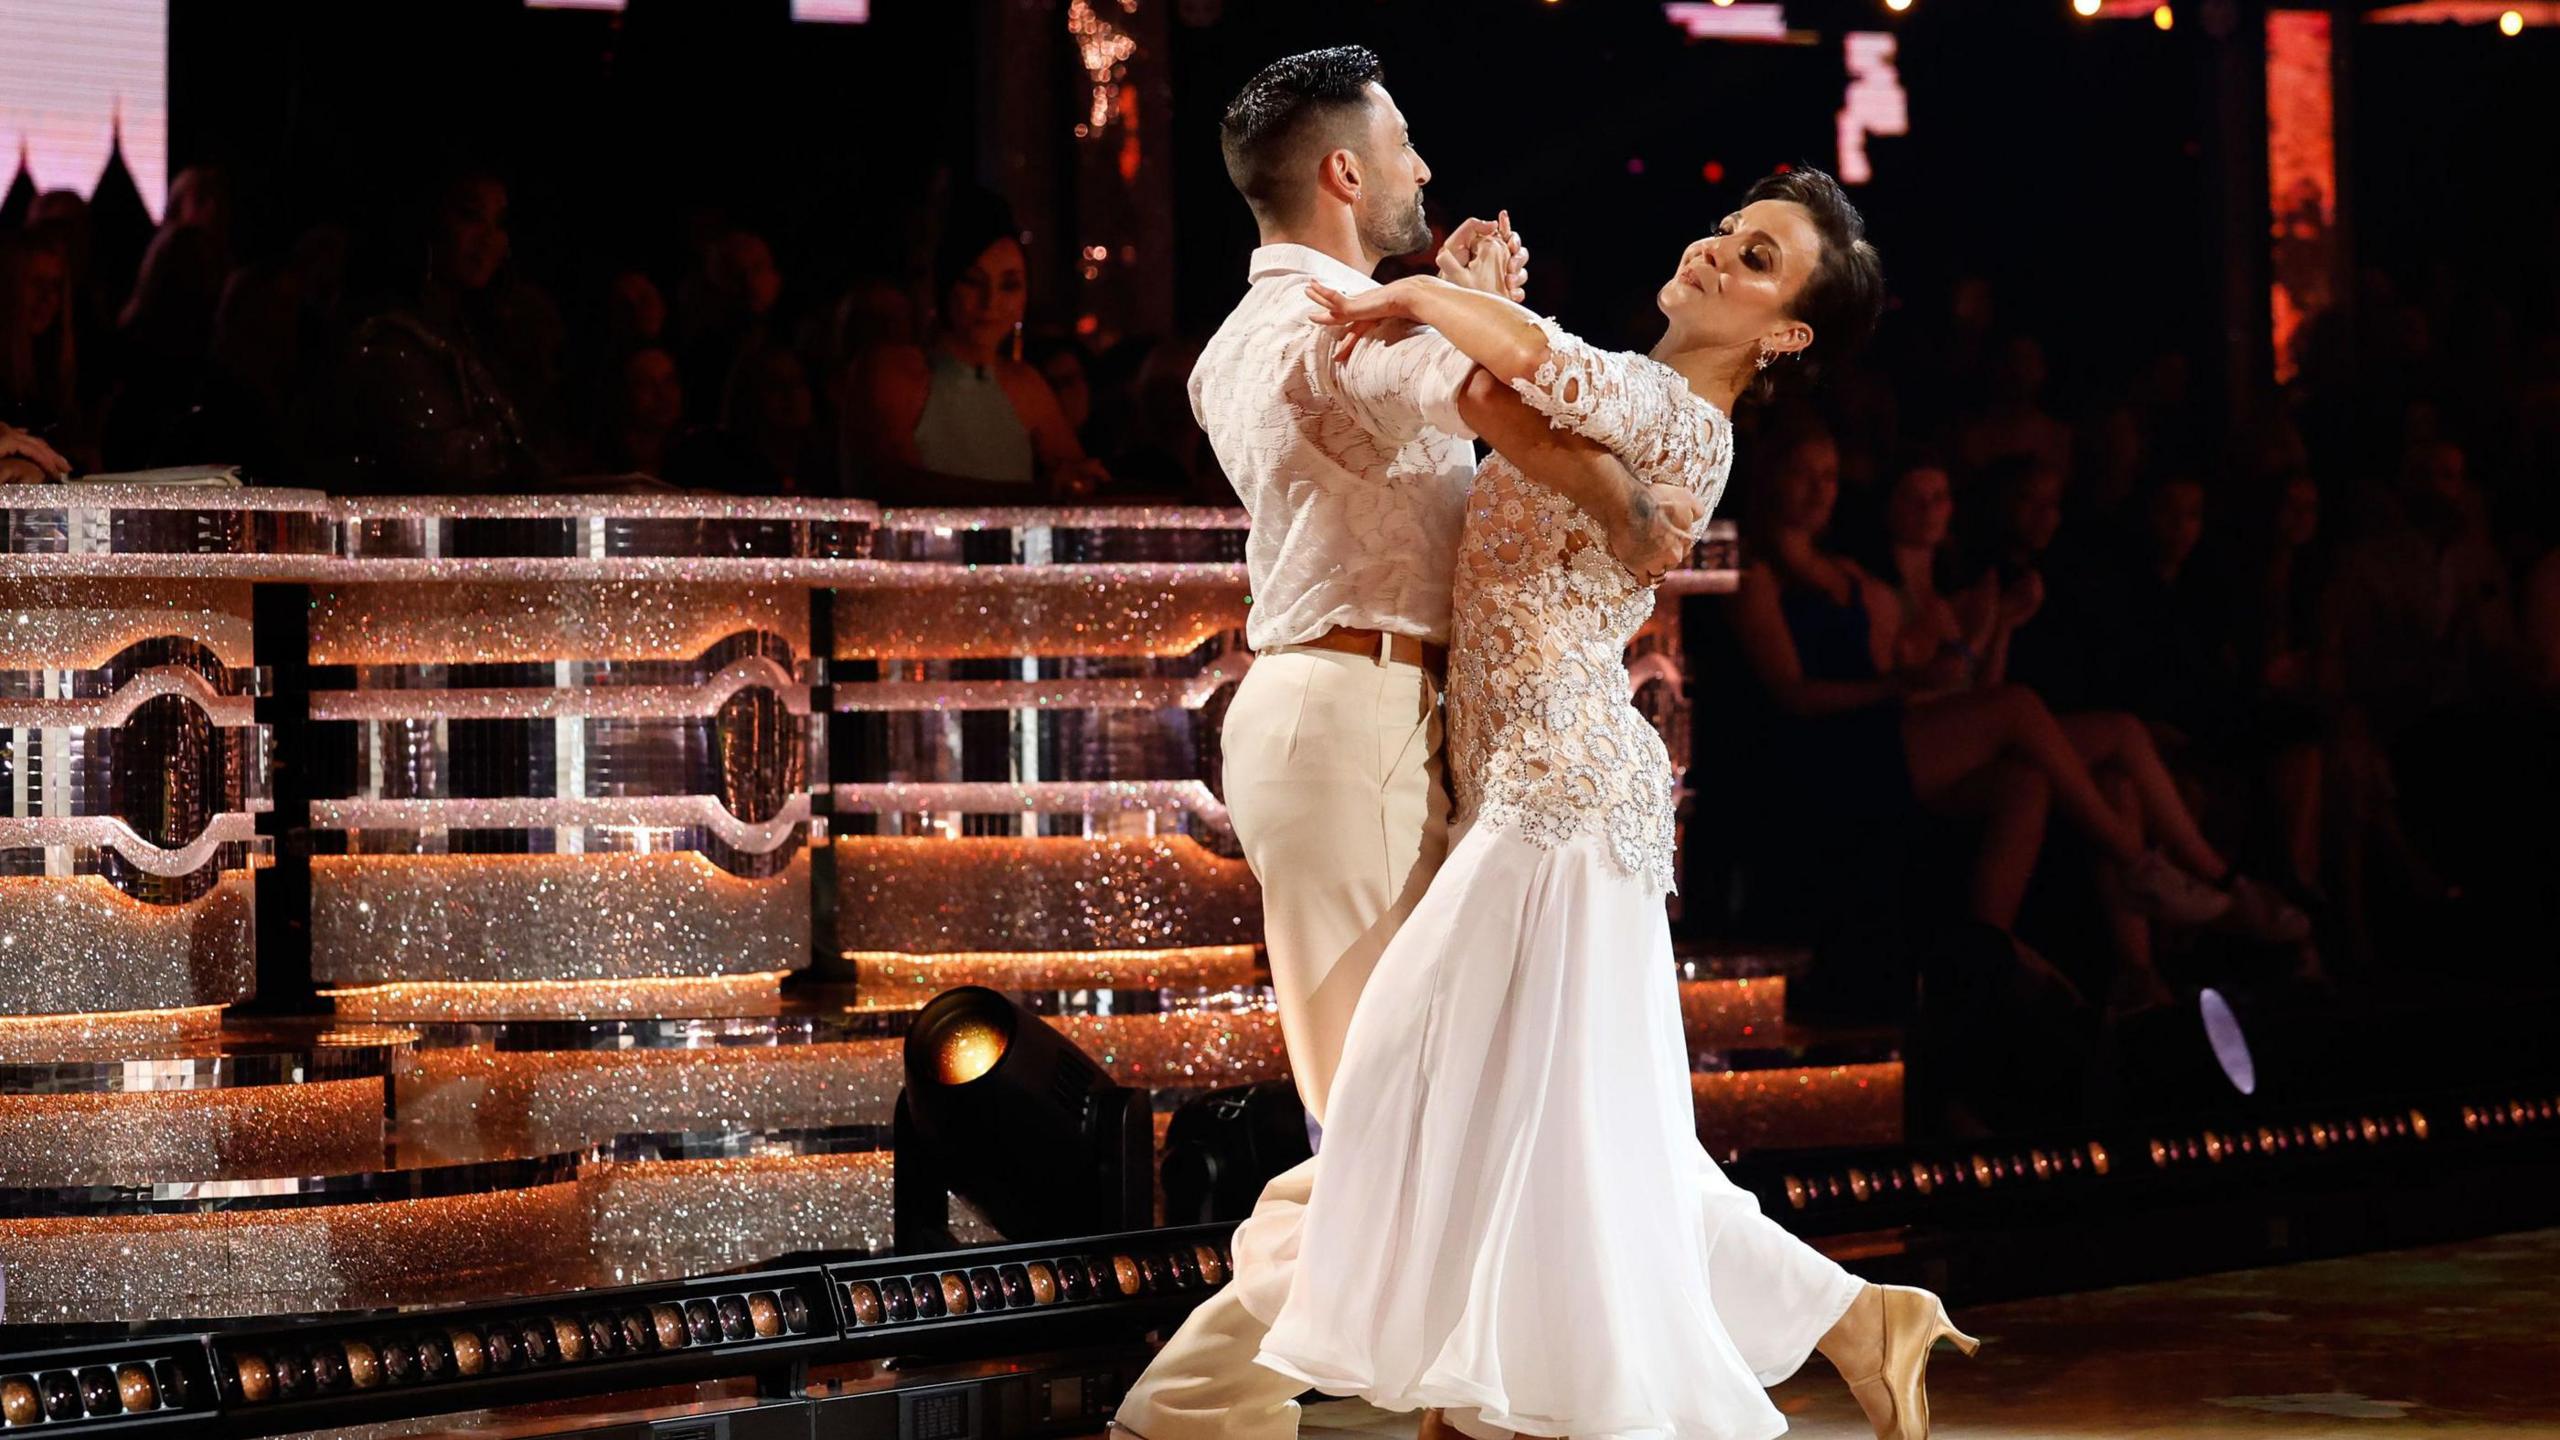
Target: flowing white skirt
(1513,1219)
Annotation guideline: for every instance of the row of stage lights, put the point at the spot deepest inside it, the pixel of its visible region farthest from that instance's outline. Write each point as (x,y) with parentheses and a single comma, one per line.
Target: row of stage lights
(317,1374)
(2163,17)
(1840,1189)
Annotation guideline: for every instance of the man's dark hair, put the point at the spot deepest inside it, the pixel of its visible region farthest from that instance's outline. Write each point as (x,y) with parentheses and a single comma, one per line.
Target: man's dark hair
(1845,294)
(1299,107)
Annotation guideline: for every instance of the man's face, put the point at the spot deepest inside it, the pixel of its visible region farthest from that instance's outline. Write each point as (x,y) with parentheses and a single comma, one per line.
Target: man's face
(1389,210)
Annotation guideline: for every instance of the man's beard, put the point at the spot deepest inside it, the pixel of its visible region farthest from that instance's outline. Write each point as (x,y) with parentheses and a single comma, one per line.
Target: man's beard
(1401,233)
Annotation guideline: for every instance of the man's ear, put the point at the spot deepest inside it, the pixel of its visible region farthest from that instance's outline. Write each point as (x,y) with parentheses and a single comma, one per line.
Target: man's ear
(1340,175)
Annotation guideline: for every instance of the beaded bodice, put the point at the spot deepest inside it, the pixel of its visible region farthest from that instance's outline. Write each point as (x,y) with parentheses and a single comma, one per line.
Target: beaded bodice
(1543,737)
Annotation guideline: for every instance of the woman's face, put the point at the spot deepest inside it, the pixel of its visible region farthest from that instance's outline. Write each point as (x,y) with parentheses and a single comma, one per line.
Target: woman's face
(2298,513)
(1809,486)
(1736,285)
(783,401)
(41,278)
(471,234)
(2035,512)
(652,393)
(988,299)
(751,269)
(637,310)
(2177,521)
(1920,507)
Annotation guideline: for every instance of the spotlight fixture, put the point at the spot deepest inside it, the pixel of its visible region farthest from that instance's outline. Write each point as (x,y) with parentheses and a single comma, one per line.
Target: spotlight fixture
(2163,18)
(1005,1112)
(1897,6)
(1223,1147)
(2183,1059)
(2511,23)
(2085,9)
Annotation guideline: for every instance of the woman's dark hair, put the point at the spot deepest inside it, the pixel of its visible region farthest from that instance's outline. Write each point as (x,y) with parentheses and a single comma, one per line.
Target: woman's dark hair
(1845,294)
(1298,102)
(176,294)
(974,222)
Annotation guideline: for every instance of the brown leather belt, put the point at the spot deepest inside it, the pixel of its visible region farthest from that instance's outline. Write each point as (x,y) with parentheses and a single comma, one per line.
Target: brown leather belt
(1404,649)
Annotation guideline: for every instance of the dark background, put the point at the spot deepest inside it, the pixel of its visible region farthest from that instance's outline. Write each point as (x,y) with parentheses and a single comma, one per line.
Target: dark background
(2073,161)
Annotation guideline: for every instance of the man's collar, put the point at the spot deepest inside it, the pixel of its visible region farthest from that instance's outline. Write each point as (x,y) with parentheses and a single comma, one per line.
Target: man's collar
(1271,260)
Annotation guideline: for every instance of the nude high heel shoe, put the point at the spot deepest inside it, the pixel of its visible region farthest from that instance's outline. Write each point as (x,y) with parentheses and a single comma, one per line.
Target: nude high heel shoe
(1896,1397)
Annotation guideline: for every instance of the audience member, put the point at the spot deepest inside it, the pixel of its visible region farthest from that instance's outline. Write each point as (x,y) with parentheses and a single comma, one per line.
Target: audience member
(643,414)
(979,425)
(168,407)
(1820,634)
(425,411)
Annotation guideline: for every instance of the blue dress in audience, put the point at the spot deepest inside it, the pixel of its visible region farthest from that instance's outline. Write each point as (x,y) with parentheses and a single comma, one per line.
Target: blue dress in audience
(1849,764)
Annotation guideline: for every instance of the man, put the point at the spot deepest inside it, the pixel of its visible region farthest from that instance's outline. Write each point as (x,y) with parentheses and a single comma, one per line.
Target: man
(1355,470)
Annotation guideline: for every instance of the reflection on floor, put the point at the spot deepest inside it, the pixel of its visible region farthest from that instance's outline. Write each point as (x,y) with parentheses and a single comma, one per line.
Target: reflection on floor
(2452,1341)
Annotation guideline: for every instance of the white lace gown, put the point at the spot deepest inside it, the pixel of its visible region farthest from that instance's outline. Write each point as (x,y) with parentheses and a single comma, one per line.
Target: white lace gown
(1513,1218)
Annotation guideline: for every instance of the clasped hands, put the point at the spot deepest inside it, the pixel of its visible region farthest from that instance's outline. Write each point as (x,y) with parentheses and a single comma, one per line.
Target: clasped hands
(1653,532)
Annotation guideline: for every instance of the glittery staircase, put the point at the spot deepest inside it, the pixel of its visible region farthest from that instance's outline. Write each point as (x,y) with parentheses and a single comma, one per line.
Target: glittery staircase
(570,848)
(569,765)
(1763,1083)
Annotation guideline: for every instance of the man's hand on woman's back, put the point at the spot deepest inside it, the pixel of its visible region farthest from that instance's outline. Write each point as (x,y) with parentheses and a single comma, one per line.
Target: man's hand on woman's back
(1654,537)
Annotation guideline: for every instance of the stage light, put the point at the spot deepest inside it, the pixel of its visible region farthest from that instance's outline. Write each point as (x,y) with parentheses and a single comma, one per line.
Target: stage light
(2085,9)
(967,1050)
(2174,1060)
(1223,1147)
(1005,1112)
(2162,18)
(2230,1046)
(2511,23)
(1897,6)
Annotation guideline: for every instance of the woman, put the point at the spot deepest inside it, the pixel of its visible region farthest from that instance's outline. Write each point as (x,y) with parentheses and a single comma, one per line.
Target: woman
(1948,647)
(1819,632)
(1516,1222)
(171,406)
(424,410)
(1827,640)
(39,354)
(962,407)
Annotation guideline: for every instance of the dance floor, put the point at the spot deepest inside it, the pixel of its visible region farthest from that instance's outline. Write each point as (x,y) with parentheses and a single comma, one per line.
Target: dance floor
(2451,1341)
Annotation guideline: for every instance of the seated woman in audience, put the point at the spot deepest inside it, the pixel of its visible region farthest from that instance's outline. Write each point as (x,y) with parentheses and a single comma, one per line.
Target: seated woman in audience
(39,354)
(420,407)
(1958,640)
(640,424)
(1824,637)
(961,419)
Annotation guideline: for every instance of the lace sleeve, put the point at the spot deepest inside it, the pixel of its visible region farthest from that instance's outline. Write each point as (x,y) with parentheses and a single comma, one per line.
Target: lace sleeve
(1638,408)
(1608,397)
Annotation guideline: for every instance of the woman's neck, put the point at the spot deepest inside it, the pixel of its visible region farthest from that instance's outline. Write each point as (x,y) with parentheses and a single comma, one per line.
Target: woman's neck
(1795,549)
(440,304)
(1916,566)
(968,348)
(1715,373)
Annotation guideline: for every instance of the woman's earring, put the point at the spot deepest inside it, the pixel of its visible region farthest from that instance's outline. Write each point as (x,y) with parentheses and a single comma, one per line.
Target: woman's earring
(1766,355)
